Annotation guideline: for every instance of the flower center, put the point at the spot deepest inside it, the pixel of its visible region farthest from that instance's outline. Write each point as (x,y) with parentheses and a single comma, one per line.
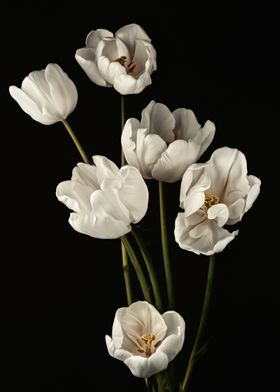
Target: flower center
(129,67)
(209,201)
(149,348)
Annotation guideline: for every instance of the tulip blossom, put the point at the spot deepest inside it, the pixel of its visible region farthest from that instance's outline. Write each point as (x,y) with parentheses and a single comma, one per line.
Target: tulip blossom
(165,143)
(214,194)
(48,95)
(105,200)
(124,61)
(145,340)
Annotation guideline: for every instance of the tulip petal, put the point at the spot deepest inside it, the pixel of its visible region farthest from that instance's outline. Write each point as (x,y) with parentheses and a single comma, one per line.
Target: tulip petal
(228,170)
(205,137)
(74,195)
(95,36)
(255,184)
(134,193)
(128,141)
(174,341)
(62,90)
(146,367)
(195,177)
(129,34)
(187,125)
(86,58)
(219,213)
(205,238)
(29,106)
(175,160)
(127,84)
(85,174)
(149,149)
(159,120)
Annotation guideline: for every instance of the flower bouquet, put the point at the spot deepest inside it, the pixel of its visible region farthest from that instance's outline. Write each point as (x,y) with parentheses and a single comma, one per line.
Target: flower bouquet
(108,202)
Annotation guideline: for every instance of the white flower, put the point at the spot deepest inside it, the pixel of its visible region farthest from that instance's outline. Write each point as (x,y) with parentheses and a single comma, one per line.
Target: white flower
(145,340)
(212,195)
(48,96)
(105,200)
(164,144)
(124,61)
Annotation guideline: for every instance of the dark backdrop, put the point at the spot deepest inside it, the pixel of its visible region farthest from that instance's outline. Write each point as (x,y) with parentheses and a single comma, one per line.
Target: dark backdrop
(60,289)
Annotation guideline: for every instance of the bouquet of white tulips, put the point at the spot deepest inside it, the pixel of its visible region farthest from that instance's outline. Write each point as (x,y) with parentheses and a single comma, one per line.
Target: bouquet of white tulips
(107,201)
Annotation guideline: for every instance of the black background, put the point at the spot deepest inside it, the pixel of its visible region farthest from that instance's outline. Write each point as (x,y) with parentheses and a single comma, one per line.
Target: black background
(60,289)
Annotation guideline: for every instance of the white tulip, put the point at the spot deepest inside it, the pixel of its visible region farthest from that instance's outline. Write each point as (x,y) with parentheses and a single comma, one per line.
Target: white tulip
(105,199)
(124,61)
(214,194)
(145,340)
(164,144)
(48,95)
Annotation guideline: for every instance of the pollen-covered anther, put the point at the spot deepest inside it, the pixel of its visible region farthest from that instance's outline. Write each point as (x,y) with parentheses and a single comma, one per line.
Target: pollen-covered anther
(148,339)
(210,200)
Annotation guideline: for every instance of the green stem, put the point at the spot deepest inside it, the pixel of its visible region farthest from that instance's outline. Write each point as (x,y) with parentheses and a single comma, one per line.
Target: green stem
(165,250)
(123,161)
(150,268)
(137,267)
(200,332)
(126,276)
(125,259)
(76,141)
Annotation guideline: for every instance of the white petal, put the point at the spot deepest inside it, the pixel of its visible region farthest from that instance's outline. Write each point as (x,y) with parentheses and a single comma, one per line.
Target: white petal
(86,58)
(228,170)
(205,238)
(100,225)
(196,182)
(158,119)
(205,136)
(255,184)
(74,195)
(175,334)
(128,141)
(146,367)
(187,125)
(86,174)
(30,107)
(140,58)
(236,211)
(134,193)
(175,160)
(117,353)
(95,36)
(218,212)
(106,169)
(149,149)
(127,84)
(63,91)
(129,34)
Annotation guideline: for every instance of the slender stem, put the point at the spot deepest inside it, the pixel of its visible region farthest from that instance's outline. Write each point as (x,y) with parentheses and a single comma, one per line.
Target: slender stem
(125,259)
(202,324)
(137,267)
(76,141)
(150,268)
(125,268)
(123,161)
(165,250)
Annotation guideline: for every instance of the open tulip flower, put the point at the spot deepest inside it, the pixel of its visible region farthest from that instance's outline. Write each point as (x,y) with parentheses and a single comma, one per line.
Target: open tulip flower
(164,144)
(48,96)
(212,195)
(124,61)
(105,200)
(145,340)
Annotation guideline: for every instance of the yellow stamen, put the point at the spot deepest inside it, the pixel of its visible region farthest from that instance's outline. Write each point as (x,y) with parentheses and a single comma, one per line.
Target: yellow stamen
(209,201)
(148,339)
